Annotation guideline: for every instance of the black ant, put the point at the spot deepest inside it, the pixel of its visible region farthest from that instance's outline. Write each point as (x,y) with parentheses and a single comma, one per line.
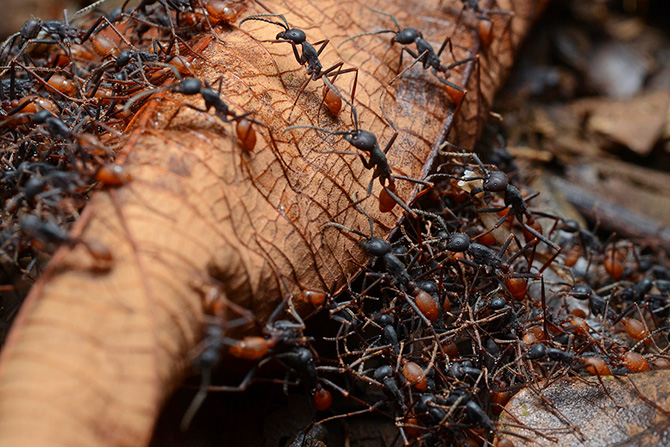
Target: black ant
(192,87)
(28,31)
(425,53)
(309,57)
(378,248)
(49,234)
(497,181)
(50,32)
(367,142)
(485,24)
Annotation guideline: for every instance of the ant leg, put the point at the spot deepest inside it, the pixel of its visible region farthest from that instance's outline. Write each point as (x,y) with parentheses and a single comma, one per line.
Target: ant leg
(197,401)
(302,89)
(413,180)
(339,72)
(399,201)
(443,46)
(370,409)
(390,142)
(416,59)
(323,44)
(235,389)
(461,62)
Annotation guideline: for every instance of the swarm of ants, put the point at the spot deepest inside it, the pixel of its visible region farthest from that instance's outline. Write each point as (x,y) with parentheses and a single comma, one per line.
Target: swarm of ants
(477,295)
(66,90)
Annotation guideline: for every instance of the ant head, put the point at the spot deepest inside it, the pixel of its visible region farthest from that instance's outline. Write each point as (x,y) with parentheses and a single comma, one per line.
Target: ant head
(496,181)
(304,356)
(382,372)
(189,86)
(458,242)
(296,36)
(385,319)
(41,116)
(362,140)
(123,59)
(376,246)
(581,292)
(498,302)
(406,36)
(570,226)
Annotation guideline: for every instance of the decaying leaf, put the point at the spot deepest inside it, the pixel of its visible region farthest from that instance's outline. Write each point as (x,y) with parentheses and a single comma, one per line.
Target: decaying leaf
(95,351)
(636,123)
(619,410)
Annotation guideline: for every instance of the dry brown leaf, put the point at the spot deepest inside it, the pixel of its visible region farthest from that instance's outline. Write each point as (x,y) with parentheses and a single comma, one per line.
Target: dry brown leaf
(636,123)
(94,354)
(575,412)
(633,187)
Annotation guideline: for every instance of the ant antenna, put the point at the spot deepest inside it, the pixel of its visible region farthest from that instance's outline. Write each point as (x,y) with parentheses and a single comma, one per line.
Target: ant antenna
(360,208)
(365,34)
(381,106)
(351,230)
(261,18)
(391,16)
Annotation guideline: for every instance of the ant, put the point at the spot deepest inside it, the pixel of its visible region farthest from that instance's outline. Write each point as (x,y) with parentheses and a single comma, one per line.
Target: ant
(485,24)
(497,181)
(34,31)
(377,248)
(212,98)
(367,142)
(423,304)
(51,235)
(425,53)
(309,57)
(282,340)
(28,31)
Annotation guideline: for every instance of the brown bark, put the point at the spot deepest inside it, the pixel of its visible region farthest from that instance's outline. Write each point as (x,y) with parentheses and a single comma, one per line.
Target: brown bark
(94,354)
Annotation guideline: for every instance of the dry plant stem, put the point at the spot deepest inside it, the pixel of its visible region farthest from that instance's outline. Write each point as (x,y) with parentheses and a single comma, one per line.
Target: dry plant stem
(94,354)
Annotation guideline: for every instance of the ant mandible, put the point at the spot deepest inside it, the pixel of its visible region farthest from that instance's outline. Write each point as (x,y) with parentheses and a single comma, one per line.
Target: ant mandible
(309,56)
